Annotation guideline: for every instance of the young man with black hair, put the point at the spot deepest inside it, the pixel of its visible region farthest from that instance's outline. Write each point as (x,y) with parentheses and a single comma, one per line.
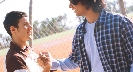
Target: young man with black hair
(20,57)
(102,43)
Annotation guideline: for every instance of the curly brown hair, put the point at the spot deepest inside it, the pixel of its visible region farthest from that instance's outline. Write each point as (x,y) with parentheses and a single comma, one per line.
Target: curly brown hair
(96,5)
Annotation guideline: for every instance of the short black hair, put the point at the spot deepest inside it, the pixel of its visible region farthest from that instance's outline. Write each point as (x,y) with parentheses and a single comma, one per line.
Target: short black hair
(96,5)
(12,19)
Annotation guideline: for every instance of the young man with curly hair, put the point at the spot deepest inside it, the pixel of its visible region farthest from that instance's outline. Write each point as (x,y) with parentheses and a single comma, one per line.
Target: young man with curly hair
(102,43)
(21,57)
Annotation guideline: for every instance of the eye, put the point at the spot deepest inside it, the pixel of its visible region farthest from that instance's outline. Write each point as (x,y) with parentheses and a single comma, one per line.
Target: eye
(25,23)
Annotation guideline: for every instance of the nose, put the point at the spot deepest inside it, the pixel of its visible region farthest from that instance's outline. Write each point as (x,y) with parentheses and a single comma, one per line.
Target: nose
(70,5)
(30,27)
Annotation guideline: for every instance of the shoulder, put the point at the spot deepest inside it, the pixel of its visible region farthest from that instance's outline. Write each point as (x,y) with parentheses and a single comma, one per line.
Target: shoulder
(122,19)
(15,62)
(110,15)
(14,57)
(116,17)
(81,26)
(80,29)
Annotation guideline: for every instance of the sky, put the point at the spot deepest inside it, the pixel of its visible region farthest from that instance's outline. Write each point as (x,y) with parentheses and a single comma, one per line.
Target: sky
(41,9)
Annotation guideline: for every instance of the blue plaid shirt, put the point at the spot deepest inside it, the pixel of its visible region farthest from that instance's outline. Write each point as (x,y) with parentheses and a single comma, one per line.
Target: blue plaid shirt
(114,39)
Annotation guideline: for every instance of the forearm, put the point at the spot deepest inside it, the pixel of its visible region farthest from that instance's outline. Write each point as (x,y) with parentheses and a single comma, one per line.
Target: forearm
(131,69)
(63,64)
(46,68)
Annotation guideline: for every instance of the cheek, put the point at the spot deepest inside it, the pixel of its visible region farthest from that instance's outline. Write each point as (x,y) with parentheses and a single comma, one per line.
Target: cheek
(23,30)
(26,27)
(81,10)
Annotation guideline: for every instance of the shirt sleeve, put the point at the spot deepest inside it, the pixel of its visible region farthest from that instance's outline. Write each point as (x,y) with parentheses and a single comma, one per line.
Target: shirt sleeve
(15,63)
(131,69)
(127,36)
(63,64)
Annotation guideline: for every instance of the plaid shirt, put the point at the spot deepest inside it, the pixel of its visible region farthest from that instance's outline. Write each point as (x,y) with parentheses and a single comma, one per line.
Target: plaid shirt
(114,39)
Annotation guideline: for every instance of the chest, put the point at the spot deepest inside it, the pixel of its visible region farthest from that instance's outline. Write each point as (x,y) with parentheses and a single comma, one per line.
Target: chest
(31,62)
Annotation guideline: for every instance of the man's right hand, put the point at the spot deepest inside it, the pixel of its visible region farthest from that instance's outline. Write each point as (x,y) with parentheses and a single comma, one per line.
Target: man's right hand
(44,60)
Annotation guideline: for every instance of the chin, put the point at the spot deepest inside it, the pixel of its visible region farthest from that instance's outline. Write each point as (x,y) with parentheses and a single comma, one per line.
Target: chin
(78,15)
(30,37)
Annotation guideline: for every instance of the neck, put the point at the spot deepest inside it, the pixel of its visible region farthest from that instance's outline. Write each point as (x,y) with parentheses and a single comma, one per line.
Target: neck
(20,43)
(92,16)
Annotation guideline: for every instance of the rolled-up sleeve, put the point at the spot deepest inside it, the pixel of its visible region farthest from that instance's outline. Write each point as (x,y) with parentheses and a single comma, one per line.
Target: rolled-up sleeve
(63,64)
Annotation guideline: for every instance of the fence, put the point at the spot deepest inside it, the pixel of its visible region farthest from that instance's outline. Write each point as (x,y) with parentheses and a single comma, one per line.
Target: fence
(55,34)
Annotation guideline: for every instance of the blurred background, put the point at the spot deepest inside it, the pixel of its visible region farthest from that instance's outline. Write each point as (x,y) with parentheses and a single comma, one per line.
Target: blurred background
(53,24)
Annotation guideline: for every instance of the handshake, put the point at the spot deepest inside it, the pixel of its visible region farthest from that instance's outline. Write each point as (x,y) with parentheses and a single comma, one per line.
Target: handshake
(44,60)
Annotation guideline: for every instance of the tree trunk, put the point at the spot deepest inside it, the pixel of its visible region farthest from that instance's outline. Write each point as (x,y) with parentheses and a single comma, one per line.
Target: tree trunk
(122,8)
(30,21)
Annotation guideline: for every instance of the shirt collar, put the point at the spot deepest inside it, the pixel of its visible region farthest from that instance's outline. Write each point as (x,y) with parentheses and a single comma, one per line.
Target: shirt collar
(100,20)
(102,16)
(16,47)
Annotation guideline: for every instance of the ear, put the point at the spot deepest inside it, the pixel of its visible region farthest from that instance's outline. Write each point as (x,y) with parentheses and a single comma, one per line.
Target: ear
(12,29)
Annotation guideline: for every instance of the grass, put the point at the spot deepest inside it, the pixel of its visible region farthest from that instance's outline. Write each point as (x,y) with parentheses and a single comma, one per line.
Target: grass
(129,15)
(53,36)
(3,51)
(44,39)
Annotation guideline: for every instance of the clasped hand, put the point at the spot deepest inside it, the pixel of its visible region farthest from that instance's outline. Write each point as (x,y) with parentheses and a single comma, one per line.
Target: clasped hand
(44,59)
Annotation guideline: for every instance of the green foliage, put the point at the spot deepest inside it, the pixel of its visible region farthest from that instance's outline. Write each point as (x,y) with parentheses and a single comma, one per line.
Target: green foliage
(53,36)
(129,15)
(49,26)
(113,6)
(129,9)
(3,51)
(35,29)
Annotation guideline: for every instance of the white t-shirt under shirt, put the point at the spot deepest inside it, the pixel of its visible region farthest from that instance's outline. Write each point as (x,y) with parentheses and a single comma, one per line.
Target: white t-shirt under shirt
(91,48)
(92,52)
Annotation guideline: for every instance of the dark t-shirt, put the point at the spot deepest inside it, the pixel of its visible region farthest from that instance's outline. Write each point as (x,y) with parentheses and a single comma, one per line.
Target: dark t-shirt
(15,58)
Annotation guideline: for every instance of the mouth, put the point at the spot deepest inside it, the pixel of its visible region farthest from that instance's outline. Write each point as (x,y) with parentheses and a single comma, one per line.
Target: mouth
(74,10)
(29,33)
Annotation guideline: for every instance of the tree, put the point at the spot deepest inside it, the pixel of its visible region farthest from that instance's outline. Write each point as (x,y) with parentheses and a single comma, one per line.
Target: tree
(122,8)
(111,6)
(61,22)
(30,19)
(130,8)
(46,28)
(43,28)
(36,31)
(52,25)
(49,26)
(2,1)
(81,19)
